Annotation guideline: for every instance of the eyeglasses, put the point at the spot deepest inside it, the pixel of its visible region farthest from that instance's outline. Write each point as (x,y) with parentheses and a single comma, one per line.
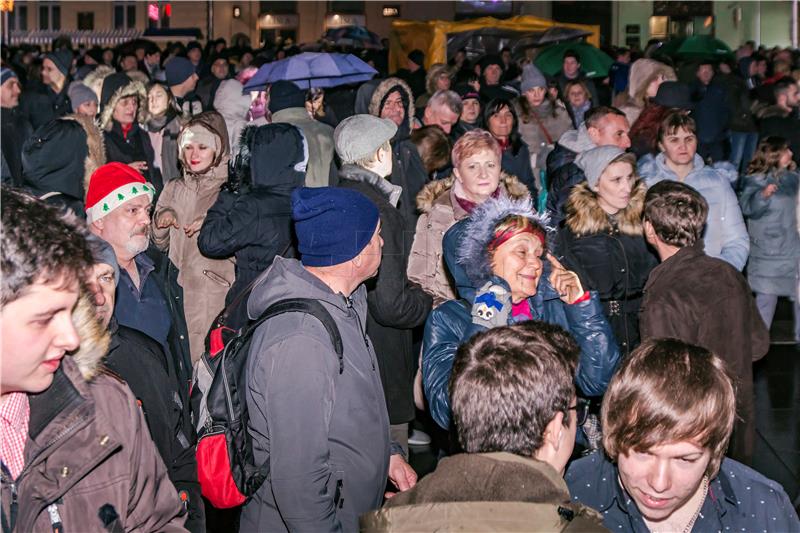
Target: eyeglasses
(581,408)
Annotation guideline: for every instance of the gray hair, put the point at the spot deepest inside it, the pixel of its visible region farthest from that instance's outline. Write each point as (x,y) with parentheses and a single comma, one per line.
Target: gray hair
(446,98)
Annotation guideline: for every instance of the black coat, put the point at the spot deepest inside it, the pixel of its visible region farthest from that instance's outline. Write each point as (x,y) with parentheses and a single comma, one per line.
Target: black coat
(775,121)
(610,256)
(151,376)
(45,105)
(15,130)
(133,147)
(408,171)
(395,305)
(562,175)
(519,165)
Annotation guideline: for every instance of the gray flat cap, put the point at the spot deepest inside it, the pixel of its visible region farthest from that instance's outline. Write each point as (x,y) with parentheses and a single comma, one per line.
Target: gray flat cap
(359,136)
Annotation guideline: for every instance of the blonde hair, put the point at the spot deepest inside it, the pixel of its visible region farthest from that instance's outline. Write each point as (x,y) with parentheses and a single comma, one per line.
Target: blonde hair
(473,142)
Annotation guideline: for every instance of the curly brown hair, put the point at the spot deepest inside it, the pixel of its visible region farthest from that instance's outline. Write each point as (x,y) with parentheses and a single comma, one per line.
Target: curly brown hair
(768,155)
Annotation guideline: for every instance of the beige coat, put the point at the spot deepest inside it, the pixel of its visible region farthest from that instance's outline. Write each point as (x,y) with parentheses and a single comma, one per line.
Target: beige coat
(440,211)
(205,281)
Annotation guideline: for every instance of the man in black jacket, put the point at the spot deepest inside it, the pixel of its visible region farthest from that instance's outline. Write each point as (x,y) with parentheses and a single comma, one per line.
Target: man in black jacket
(395,305)
(151,376)
(15,128)
(781,119)
(53,101)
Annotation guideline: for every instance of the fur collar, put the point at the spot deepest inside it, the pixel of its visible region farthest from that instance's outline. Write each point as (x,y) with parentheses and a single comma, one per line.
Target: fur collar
(586,217)
(134,88)
(94,339)
(439,190)
(96,155)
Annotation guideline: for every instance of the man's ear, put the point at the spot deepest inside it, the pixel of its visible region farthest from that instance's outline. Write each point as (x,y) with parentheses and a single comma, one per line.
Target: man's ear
(554,433)
(594,133)
(661,147)
(649,230)
(98,226)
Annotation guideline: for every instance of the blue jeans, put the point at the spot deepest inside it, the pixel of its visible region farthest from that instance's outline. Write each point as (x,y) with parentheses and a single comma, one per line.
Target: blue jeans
(743,146)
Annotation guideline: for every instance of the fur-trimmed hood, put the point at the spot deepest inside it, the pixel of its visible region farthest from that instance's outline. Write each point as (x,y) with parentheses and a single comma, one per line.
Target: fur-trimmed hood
(433,73)
(586,217)
(434,190)
(94,80)
(95,142)
(94,338)
(383,89)
(643,71)
(116,87)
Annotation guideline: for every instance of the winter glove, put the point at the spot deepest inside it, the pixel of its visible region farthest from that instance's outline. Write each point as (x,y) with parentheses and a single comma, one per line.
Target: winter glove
(492,306)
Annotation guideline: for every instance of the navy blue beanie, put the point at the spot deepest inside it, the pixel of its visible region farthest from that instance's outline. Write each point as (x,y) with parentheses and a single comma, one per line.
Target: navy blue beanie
(178,70)
(332,225)
(6,74)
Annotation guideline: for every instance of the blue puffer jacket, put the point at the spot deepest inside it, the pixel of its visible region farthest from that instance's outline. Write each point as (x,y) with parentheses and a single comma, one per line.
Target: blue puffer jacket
(725,235)
(450,325)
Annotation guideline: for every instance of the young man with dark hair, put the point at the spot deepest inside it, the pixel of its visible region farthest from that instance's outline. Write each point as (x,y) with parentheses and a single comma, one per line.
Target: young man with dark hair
(781,118)
(571,70)
(75,452)
(667,418)
(516,415)
(725,235)
(686,293)
(712,112)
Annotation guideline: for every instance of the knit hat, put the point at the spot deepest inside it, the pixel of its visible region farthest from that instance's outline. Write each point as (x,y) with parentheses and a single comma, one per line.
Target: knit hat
(285,94)
(62,59)
(6,74)
(80,93)
(102,252)
(360,136)
(674,94)
(332,225)
(491,60)
(112,185)
(178,70)
(532,77)
(417,56)
(593,162)
(466,92)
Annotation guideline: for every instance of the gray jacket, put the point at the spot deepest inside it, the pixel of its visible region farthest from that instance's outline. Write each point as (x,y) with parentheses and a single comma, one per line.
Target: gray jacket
(320,144)
(326,434)
(774,240)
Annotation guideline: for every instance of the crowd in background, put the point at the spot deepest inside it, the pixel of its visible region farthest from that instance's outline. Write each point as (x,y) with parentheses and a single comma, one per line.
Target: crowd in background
(589,217)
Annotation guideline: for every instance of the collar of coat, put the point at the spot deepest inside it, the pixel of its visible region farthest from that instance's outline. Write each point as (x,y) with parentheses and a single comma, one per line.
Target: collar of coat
(689,253)
(586,217)
(389,190)
(438,191)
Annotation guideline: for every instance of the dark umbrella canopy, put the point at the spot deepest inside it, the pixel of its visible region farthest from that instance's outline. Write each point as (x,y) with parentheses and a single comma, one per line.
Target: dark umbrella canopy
(311,69)
(354,36)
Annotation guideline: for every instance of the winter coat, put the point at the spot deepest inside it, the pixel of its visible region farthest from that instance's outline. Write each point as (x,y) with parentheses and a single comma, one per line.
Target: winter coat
(205,281)
(233,106)
(379,96)
(153,380)
(324,433)
(135,146)
(711,111)
(319,137)
(739,499)
(774,120)
(14,130)
(450,325)
(644,132)
(254,222)
(59,159)
(741,119)
(705,301)
(45,105)
(163,132)
(409,173)
(519,165)
(88,448)
(562,172)
(725,234)
(485,492)
(642,73)
(774,240)
(440,210)
(395,306)
(610,255)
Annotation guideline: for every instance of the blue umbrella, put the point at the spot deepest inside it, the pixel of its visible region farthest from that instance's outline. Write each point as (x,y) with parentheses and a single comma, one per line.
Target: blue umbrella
(312,69)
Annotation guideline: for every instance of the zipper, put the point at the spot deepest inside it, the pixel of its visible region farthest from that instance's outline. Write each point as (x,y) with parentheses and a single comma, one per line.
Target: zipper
(362,329)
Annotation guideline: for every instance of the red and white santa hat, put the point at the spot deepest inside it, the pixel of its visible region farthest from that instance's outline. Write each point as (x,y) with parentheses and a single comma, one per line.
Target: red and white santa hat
(111,186)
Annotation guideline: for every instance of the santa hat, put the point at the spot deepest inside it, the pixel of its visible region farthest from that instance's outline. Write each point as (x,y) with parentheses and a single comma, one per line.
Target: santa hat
(112,185)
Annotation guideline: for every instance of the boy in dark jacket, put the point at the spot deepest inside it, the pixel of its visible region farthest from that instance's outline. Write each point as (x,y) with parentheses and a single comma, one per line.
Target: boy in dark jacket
(685,293)
(395,305)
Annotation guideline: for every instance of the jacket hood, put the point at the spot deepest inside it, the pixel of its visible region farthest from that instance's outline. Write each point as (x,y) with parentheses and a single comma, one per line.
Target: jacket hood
(771,111)
(62,155)
(364,96)
(434,190)
(272,155)
(382,91)
(434,72)
(643,71)
(586,217)
(115,87)
(213,122)
(94,80)
(577,140)
(656,167)
(94,338)
(230,102)
(287,278)
(466,244)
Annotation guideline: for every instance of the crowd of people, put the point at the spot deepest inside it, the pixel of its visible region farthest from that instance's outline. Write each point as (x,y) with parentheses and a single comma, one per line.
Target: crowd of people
(564,281)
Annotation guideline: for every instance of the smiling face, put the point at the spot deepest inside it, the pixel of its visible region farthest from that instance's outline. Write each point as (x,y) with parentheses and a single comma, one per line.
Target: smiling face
(197,156)
(664,478)
(37,331)
(519,262)
(679,146)
(393,108)
(478,175)
(614,187)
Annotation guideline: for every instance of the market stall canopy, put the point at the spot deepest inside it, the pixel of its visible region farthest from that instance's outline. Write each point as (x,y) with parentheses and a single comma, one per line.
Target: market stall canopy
(432,36)
(311,69)
(594,62)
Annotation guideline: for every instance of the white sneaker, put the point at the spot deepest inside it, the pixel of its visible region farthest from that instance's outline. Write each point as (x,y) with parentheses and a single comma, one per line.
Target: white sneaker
(418,438)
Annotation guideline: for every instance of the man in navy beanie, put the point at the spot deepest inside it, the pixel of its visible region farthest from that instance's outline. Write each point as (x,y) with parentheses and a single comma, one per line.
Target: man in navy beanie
(322,426)
(182,80)
(52,99)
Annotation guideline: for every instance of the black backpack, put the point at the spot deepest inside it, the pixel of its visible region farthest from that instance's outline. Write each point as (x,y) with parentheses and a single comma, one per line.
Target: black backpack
(226,468)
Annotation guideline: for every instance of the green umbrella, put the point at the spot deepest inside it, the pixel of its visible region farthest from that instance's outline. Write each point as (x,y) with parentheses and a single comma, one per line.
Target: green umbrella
(704,47)
(594,62)
(669,48)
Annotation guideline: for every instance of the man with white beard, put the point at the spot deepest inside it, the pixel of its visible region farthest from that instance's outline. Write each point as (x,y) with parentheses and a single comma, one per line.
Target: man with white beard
(118,206)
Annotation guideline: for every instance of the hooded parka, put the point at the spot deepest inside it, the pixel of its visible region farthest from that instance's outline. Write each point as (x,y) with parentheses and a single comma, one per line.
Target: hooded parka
(205,281)
(643,72)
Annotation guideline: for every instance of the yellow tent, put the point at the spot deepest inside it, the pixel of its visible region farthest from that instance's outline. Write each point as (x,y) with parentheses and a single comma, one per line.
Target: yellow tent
(431,36)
